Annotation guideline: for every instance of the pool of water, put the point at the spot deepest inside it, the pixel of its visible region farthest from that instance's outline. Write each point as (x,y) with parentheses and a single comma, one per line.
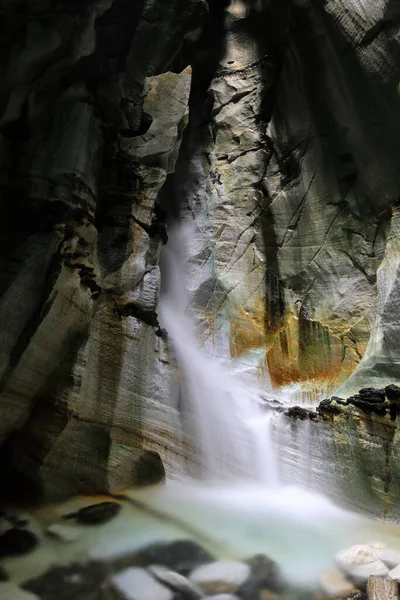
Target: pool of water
(300,530)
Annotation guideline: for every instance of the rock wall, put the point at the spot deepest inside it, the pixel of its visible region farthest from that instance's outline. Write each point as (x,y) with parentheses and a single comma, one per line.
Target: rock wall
(91,123)
(272,127)
(289,171)
(347,451)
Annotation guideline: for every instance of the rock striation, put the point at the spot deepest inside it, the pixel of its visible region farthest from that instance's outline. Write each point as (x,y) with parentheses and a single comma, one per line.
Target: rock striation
(88,136)
(272,127)
(347,450)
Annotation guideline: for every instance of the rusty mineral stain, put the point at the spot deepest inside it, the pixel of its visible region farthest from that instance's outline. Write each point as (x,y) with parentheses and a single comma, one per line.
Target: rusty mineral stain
(247,329)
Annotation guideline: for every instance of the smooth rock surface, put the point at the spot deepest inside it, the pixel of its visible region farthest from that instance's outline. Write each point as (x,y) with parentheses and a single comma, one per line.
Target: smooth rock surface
(176,582)
(135,584)
(360,562)
(220,577)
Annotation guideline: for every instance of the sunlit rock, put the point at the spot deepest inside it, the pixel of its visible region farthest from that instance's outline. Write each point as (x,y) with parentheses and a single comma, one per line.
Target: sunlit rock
(220,577)
(177,582)
(360,562)
(135,584)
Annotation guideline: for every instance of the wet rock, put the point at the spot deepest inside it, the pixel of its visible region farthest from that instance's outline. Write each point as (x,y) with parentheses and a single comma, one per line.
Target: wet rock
(360,562)
(149,469)
(334,583)
(181,556)
(135,584)
(17,541)
(96,514)
(382,588)
(296,412)
(221,577)
(176,582)
(77,582)
(370,401)
(372,395)
(354,596)
(327,407)
(265,575)
(64,533)
(393,393)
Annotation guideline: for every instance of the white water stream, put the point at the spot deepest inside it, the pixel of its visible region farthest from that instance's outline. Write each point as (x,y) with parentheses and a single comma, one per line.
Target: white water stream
(228,421)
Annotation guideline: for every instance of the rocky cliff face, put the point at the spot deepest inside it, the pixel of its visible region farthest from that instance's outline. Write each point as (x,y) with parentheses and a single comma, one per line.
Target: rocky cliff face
(91,123)
(274,126)
(291,175)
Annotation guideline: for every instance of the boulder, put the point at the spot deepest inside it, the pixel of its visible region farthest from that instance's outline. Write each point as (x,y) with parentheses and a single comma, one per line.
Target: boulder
(264,575)
(149,469)
(135,584)
(393,393)
(360,562)
(221,577)
(382,588)
(389,556)
(334,583)
(176,582)
(17,541)
(96,514)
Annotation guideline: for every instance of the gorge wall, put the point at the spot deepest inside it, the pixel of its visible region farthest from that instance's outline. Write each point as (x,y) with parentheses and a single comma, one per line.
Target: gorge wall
(272,125)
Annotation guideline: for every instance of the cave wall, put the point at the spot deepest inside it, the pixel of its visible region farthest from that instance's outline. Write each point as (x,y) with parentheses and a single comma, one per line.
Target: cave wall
(272,126)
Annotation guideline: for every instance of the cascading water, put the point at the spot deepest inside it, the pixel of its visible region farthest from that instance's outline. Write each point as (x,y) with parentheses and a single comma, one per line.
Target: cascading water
(231,427)
(250,511)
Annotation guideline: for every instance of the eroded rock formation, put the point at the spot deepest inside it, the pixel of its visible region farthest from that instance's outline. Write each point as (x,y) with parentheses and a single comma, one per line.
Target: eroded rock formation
(291,176)
(274,126)
(90,128)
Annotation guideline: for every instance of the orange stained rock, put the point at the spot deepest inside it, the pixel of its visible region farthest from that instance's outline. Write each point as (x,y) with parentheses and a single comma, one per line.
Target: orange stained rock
(247,329)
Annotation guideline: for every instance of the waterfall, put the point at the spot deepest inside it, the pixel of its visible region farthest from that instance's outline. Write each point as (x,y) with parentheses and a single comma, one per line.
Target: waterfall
(230,426)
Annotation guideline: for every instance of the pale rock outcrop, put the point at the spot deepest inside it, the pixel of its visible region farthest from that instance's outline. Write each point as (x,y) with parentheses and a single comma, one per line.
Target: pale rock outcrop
(350,456)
